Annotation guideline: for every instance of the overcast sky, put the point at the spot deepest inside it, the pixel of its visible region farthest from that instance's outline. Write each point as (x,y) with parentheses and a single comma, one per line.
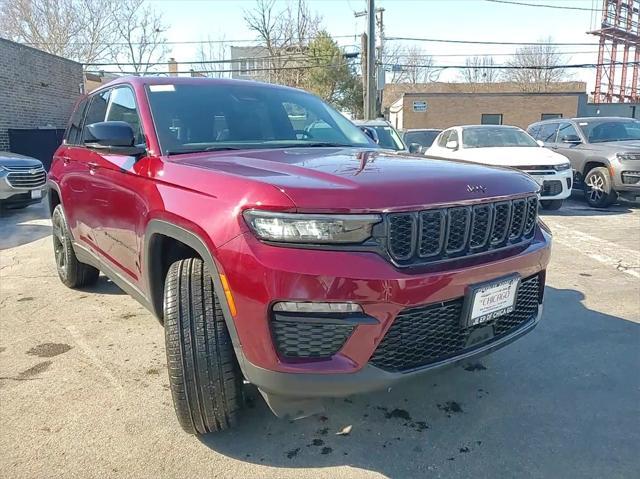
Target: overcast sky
(477,20)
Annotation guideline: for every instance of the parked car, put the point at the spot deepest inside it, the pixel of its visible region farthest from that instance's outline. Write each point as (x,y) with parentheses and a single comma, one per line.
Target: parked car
(604,153)
(312,269)
(22,180)
(383,134)
(423,137)
(511,147)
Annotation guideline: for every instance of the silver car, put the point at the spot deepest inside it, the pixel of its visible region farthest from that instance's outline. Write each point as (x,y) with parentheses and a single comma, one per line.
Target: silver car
(604,153)
(22,180)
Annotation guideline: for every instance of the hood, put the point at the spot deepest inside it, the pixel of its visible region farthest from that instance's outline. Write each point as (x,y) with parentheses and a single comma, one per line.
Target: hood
(616,146)
(512,156)
(14,159)
(352,179)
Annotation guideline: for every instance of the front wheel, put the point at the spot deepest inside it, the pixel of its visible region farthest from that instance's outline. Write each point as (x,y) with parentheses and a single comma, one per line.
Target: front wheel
(205,379)
(551,205)
(598,189)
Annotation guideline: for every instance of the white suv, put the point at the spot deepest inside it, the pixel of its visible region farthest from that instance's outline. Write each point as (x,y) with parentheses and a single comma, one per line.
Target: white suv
(511,147)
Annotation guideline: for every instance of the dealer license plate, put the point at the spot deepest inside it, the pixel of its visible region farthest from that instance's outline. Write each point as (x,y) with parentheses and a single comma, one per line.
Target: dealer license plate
(489,301)
(36,194)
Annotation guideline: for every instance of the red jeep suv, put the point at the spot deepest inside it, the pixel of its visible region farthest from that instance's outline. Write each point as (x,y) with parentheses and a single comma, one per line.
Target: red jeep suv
(280,246)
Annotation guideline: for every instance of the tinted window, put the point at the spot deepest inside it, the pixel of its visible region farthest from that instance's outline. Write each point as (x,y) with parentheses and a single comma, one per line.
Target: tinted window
(211,116)
(601,131)
(423,138)
(491,137)
(388,138)
(565,130)
(97,109)
(491,119)
(122,107)
(548,132)
(73,135)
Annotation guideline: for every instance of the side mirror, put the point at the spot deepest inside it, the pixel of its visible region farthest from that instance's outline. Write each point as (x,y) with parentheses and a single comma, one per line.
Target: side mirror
(573,139)
(415,148)
(371,133)
(112,137)
(452,145)
(540,142)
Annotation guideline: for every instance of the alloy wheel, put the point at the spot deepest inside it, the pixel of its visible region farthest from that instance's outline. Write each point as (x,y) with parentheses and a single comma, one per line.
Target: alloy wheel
(60,252)
(596,187)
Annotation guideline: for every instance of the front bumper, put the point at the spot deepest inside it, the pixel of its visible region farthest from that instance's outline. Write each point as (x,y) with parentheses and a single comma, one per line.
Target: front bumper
(259,275)
(369,378)
(555,185)
(12,191)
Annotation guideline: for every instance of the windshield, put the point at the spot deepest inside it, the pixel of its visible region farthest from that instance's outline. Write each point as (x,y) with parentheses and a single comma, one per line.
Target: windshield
(423,138)
(211,117)
(601,131)
(484,137)
(388,137)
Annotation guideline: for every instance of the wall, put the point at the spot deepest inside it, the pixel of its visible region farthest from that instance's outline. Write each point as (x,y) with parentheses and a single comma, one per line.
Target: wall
(37,89)
(450,109)
(629,110)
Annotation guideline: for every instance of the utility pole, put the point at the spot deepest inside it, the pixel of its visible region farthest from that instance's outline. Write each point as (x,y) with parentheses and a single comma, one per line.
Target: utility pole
(369,61)
(380,74)
(363,62)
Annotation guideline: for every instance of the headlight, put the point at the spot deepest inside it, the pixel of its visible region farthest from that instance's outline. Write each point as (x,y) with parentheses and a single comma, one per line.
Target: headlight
(562,167)
(310,228)
(628,156)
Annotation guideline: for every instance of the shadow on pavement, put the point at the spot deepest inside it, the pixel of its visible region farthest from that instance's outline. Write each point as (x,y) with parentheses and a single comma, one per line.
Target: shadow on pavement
(104,286)
(577,206)
(22,226)
(560,402)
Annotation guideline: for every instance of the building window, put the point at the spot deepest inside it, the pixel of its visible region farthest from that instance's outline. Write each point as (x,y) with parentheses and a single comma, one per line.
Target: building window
(491,119)
(243,67)
(550,116)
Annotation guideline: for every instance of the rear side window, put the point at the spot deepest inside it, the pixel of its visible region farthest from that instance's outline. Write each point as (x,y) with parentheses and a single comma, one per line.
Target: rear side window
(97,108)
(548,132)
(122,107)
(73,135)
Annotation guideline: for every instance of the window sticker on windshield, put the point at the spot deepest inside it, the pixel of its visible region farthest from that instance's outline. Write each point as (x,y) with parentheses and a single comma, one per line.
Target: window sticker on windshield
(156,88)
(583,124)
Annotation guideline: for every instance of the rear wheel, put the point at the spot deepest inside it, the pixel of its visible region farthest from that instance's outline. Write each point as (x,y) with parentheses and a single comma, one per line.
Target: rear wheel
(598,189)
(72,272)
(551,205)
(205,379)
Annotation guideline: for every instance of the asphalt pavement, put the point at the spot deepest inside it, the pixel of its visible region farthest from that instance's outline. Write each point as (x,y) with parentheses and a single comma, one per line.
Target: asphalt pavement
(84,390)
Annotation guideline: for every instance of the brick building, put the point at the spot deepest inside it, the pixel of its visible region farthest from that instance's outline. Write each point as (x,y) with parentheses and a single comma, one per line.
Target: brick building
(37,89)
(441,105)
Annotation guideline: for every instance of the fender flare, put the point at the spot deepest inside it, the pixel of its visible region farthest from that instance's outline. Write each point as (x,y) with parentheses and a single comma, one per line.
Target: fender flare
(161,227)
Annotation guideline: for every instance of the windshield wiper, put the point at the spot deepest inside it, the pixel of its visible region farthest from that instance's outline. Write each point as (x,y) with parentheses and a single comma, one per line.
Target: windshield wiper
(319,144)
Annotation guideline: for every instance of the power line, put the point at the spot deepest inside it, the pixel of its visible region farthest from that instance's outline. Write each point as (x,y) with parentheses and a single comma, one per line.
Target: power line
(477,42)
(542,5)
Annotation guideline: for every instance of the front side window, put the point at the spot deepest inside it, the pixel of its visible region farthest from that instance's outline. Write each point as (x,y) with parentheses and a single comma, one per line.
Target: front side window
(567,130)
(442,141)
(423,138)
(122,107)
(389,138)
(602,131)
(206,117)
(495,137)
(97,110)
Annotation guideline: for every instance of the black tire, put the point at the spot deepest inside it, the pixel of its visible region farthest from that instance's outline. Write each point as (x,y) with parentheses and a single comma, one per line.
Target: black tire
(551,205)
(205,379)
(598,190)
(72,272)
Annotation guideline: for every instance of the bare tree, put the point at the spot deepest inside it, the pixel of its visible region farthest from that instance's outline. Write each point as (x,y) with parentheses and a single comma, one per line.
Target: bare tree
(480,69)
(141,34)
(535,67)
(409,64)
(80,30)
(213,54)
(284,35)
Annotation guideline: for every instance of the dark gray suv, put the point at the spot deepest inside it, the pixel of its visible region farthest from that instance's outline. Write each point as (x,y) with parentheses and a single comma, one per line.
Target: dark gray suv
(604,153)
